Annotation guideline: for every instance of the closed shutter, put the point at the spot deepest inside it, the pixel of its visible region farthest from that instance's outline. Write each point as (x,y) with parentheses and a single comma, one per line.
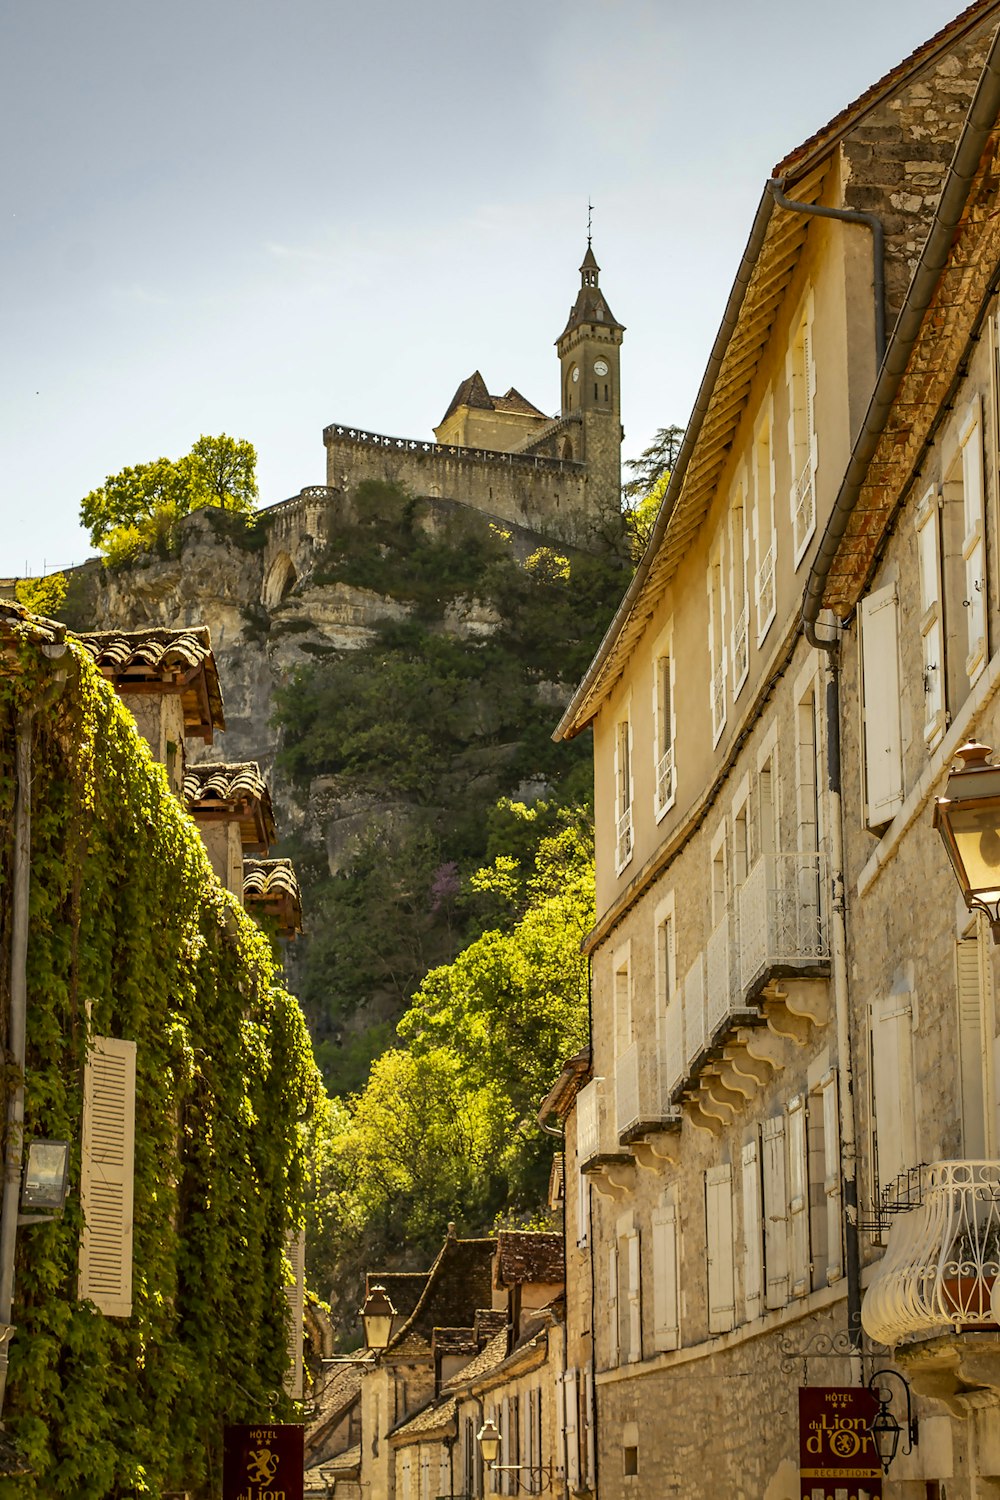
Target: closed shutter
(570,1418)
(719,1227)
(505,1457)
(295,1293)
(753,1257)
(892,1086)
(404,1476)
(613,1304)
(931,616)
(633,1244)
(589,1455)
(880,680)
(831,1180)
(775,1213)
(971,1046)
(798,1196)
(974,541)
(666,1319)
(106,1176)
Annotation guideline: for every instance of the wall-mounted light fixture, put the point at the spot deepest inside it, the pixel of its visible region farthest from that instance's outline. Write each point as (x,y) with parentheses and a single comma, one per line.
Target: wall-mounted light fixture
(490,1442)
(968,819)
(45,1180)
(885,1427)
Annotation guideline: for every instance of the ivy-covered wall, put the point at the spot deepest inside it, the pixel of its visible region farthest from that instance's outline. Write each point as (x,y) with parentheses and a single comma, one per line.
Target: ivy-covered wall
(132,936)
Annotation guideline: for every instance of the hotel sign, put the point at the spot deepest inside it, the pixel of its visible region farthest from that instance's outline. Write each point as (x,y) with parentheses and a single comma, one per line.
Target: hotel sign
(263,1462)
(837,1457)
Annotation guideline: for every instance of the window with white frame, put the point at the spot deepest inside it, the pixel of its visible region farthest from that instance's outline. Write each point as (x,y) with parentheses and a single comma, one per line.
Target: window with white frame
(719,1248)
(798,1195)
(625,1292)
(976,1033)
(893,1112)
(753,1229)
(623,794)
(717,640)
(665,778)
(669,1012)
(739,542)
(666,1279)
(802,442)
(974,539)
(623,1000)
(928,524)
(824,1177)
(775,1195)
(764,535)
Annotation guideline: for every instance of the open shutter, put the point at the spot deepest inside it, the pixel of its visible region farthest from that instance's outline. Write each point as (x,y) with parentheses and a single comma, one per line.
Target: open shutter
(931,615)
(798,1196)
(880,680)
(831,1177)
(892,1085)
(719,1226)
(666,1319)
(971,1046)
(775,1213)
(633,1244)
(505,1457)
(570,1419)
(974,541)
(753,1259)
(295,1292)
(106,1173)
(613,1304)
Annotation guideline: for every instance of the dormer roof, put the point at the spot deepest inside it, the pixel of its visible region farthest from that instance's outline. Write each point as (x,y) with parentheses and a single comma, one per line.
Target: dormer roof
(163,661)
(219,792)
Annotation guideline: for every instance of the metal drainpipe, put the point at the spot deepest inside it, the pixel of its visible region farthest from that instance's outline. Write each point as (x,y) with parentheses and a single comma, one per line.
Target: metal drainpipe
(849,216)
(16,1037)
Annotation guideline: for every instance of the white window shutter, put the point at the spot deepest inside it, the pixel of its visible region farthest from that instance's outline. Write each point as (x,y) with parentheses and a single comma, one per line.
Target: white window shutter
(892,1085)
(798,1196)
(295,1293)
(666,1311)
(971,1046)
(106,1176)
(613,1304)
(719,1227)
(572,1441)
(809,352)
(753,1259)
(775,1213)
(974,541)
(831,1181)
(634,1296)
(928,523)
(590,1457)
(880,675)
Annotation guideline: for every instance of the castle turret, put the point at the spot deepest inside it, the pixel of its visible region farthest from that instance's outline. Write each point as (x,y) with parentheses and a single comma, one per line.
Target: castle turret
(588,350)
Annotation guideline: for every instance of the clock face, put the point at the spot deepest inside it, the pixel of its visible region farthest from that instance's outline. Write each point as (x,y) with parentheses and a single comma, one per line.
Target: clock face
(576,373)
(600,367)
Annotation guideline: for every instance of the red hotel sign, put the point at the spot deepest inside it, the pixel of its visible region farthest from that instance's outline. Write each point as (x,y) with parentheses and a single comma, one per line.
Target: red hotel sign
(263,1462)
(837,1457)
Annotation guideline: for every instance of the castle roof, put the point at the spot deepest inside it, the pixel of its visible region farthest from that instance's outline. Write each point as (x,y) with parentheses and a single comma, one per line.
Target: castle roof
(472,392)
(591,305)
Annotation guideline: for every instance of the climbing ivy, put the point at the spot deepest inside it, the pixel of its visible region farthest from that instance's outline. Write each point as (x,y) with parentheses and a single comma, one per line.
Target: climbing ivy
(131,935)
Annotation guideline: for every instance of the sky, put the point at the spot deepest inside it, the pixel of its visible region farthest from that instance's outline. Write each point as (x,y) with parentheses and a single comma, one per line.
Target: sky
(263,216)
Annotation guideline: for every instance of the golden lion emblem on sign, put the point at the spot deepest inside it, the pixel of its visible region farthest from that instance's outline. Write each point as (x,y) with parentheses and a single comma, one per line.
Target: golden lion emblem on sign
(263,1466)
(845,1443)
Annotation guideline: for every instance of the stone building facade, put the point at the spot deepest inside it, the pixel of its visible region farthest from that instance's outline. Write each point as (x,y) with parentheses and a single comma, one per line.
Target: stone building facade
(719,1139)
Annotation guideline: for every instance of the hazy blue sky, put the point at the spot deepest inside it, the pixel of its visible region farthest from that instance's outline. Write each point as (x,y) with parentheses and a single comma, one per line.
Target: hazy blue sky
(262,216)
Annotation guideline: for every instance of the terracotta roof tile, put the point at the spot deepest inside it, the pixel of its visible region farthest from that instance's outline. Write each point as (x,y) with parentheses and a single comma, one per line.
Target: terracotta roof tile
(529,1256)
(18,622)
(179,661)
(271,889)
(237,790)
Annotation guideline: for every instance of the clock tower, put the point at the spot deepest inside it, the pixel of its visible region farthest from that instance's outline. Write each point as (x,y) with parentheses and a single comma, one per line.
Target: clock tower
(589,348)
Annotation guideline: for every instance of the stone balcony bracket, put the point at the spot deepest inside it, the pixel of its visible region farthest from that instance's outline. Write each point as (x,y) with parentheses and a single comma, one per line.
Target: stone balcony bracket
(704,1115)
(654,1142)
(611,1172)
(794,1007)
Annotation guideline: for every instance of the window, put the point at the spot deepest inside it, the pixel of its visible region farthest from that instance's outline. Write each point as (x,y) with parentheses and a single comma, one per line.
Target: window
(612,1304)
(738,551)
(809,833)
(623,1003)
(974,541)
(106,1176)
(717,641)
(764,537)
(883,745)
(670,1015)
(894,1144)
(570,1419)
(719,1244)
(628,1291)
(623,800)
(931,617)
(753,1248)
(798,1196)
(666,1285)
(665,786)
(829,1248)
(775,1212)
(802,443)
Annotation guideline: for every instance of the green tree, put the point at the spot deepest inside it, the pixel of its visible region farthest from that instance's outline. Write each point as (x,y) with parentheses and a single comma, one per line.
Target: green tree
(653,462)
(139,507)
(43,596)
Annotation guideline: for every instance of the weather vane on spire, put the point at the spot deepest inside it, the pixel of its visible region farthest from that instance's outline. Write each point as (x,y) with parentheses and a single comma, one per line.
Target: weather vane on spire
(590,212)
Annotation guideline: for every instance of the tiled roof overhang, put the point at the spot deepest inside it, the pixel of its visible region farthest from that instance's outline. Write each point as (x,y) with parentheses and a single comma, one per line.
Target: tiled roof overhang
(164,661)
(768,265)
(270,887)
(220,793)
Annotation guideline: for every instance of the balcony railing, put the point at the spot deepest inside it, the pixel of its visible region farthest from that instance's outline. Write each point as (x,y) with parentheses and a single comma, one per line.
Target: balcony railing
(588,1120)
(674,1056)
(694,1010)
(804,504)
(765,587)
(665,779)
(718,698)
(723,995)
(782,914)
(624,849)
(740,649)
(627,1107)
(942,1259)
(641,1094)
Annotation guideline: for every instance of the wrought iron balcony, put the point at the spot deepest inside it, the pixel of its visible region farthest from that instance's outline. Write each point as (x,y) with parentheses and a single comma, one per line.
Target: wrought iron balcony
(642,1102)
(623,851)
(724,1005)
(665,779)
(942,1258)
(782,917)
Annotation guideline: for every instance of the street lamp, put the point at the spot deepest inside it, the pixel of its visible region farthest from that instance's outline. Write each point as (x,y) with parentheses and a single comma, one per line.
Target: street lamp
(884,1427)
(968,820)
(377,1315)
(489,1440)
